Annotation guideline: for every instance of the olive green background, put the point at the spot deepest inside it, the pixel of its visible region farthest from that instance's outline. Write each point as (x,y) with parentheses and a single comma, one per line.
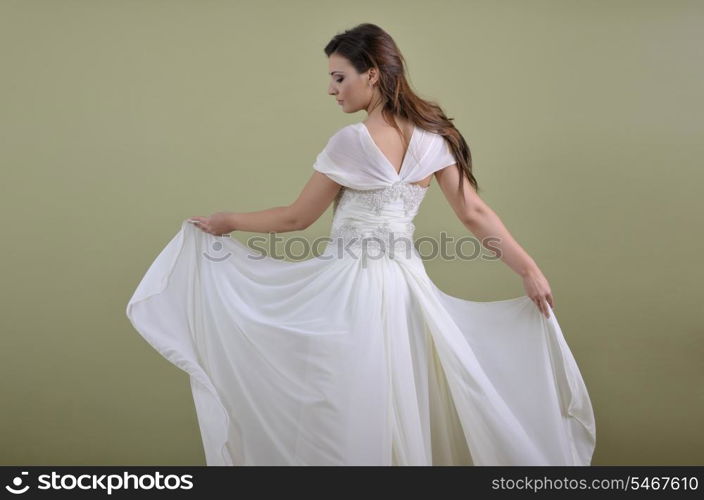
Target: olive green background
(120,119)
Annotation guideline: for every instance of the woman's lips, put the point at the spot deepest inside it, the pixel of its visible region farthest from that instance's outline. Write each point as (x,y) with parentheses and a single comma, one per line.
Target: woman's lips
(339,102)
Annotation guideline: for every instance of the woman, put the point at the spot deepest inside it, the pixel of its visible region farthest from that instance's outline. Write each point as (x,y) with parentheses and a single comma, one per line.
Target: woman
(355,357)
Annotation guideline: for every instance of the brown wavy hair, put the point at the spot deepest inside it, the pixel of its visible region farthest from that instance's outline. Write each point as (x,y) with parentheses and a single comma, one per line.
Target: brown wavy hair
(368,46)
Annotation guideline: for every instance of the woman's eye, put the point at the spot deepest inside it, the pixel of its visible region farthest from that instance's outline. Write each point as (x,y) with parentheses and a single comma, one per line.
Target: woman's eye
(340,80)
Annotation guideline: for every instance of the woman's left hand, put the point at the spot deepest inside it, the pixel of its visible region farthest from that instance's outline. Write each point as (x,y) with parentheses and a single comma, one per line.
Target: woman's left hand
(538,289)
(217,224)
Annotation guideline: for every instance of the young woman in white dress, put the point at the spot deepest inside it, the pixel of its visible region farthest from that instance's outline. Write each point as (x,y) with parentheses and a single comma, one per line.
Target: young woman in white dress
(341,360)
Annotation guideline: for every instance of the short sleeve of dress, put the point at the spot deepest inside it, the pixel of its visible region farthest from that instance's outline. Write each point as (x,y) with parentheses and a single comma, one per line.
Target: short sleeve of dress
(343,160)
(440,155)
(325,165)
(327,162)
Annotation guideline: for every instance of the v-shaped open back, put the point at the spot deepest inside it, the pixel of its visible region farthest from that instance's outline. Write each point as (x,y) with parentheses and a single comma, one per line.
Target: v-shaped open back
(378,150)
(352,159)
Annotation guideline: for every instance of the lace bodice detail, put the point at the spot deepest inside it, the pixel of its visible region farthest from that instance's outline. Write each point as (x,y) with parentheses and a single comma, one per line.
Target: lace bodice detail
(375,199)
(378,221)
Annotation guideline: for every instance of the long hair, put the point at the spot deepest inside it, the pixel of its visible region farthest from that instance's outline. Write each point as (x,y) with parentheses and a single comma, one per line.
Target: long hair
(368,46)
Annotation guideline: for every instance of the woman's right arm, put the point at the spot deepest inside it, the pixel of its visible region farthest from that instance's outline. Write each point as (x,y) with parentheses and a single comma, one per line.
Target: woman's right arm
(316,196)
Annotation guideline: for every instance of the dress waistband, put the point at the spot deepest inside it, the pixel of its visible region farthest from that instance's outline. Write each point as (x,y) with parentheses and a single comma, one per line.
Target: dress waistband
(377,239)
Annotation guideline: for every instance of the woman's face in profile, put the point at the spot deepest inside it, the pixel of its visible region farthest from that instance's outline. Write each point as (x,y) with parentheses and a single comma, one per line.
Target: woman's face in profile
(351,89)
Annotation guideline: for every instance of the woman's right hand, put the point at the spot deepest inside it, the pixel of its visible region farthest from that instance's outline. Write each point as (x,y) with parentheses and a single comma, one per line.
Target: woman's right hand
(538,289)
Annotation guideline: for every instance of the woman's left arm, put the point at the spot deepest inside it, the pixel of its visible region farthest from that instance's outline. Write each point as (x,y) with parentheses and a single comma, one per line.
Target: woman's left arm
(486,225)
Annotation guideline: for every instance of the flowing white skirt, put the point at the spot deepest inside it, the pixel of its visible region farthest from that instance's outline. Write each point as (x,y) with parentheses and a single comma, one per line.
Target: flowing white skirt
(328,362)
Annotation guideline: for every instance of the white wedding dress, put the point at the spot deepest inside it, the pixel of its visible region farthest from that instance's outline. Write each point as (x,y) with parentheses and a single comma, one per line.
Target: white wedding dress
(354,356)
